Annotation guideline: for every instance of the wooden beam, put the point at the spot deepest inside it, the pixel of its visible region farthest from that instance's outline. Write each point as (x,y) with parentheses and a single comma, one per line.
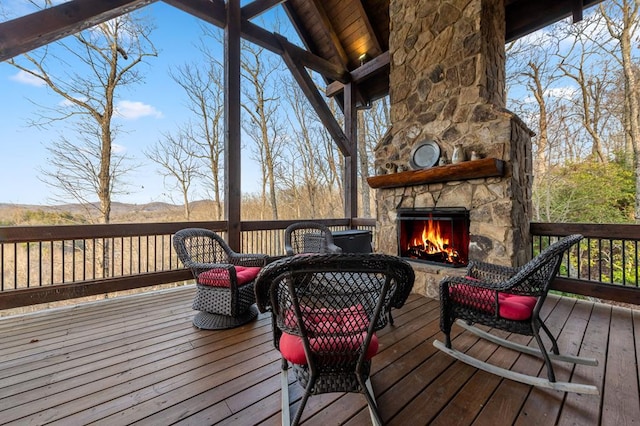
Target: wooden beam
(210,11)
(368,69)
(268,40)
(257,7)
(524,17)
(232,126)
(577,11)
(29,32)
(476,169)
(351,162)
(316,100)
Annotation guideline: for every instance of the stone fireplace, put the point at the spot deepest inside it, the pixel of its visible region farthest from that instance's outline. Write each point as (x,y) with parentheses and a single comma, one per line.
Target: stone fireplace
(447,85)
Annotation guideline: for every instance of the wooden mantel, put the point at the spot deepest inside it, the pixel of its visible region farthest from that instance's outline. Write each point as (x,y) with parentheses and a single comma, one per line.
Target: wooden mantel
(483,168)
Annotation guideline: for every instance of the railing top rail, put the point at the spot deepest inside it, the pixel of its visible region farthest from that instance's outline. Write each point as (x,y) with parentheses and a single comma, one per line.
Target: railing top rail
(14,234)
(592,230)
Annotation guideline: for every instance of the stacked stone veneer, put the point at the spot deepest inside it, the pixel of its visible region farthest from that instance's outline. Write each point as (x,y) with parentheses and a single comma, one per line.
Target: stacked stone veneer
(447,84)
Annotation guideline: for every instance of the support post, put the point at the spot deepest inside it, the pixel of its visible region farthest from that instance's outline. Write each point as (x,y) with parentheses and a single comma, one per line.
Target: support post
(232,142)
(351,161)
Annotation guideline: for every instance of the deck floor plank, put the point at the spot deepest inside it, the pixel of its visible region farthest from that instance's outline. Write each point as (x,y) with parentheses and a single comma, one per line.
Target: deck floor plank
(580,409)
(138,360)
(620,379)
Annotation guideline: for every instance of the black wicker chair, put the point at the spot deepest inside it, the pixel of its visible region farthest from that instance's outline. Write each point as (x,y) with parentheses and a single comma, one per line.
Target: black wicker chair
(508,299)
(326,309)
(224,279)
(309,237)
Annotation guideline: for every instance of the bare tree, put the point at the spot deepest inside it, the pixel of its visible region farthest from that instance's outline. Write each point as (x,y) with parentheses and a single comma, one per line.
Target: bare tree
(584,64)
(88,76)
(308,169)
(179,166)
(203,84)
(373,124)
(621,18)
(263,118)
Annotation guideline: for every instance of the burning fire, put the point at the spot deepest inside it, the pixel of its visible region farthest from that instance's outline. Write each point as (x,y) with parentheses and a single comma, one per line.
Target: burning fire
(431,242)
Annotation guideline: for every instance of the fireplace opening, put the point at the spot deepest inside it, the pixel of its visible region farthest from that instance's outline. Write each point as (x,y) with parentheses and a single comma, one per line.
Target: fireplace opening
(439,236)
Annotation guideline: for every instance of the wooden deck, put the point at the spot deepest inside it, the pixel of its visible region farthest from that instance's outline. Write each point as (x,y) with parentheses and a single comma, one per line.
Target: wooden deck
(138,360)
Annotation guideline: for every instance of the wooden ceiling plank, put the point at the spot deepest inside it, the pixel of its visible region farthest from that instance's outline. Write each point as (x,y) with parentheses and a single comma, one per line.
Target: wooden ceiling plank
(257,7)
(329,31)
(29,32)
(370,30)
(315,97)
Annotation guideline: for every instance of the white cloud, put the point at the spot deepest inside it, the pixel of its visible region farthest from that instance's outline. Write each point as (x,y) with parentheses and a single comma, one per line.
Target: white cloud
(132,110)
(561,92)
(118,149)
(23,77)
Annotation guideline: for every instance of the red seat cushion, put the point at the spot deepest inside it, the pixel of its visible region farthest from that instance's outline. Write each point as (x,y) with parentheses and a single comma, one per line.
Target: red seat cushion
(219,277)
(292,348)
(329,330)
(510,306)
(322,320)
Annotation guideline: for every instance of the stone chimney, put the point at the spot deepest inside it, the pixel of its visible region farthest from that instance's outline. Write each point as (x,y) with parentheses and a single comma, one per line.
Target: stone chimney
(447,84)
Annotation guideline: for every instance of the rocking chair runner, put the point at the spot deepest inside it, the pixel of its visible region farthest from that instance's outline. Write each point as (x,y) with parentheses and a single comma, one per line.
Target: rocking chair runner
(508,299)
(325,309)
(224,278)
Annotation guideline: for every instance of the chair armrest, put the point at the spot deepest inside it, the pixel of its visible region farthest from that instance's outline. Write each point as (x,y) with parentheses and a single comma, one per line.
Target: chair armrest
(249,259)
(199,267)
(333,249)
(490,273)
(451,281)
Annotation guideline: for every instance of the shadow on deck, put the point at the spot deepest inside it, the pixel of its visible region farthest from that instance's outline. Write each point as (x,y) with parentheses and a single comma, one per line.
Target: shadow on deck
(138,359)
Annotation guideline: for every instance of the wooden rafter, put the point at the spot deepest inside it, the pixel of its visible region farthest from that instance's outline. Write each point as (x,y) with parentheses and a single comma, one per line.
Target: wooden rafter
(48,25)
(371,68)
(257,7)
(315,99)
(210,11)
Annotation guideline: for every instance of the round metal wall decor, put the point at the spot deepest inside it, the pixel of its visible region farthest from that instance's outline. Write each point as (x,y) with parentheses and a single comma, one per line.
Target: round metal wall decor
(424,154)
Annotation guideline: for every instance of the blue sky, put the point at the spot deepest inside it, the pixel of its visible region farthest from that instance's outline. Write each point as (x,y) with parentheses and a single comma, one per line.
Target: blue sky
(154,107)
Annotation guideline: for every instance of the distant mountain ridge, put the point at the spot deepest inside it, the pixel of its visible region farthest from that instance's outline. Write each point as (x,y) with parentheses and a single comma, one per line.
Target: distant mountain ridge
(34,214)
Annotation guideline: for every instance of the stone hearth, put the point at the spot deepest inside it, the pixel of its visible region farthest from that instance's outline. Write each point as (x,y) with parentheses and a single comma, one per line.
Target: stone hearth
(447,85)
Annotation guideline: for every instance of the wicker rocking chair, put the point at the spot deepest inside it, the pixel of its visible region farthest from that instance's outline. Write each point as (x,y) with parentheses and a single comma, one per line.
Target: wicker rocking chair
(508,299)
(325,310)
(309,237)
(224,279)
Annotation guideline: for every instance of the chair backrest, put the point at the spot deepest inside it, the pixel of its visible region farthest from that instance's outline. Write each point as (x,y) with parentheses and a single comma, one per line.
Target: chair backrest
(334,302)
(309,237)
(535,277)
(199,245)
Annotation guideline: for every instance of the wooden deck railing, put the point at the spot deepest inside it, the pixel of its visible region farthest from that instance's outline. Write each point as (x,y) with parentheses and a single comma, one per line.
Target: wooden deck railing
(40,264)
(604,265)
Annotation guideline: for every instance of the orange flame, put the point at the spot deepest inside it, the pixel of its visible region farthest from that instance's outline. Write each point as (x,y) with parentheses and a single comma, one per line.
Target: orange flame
(431,238)
(433,241)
